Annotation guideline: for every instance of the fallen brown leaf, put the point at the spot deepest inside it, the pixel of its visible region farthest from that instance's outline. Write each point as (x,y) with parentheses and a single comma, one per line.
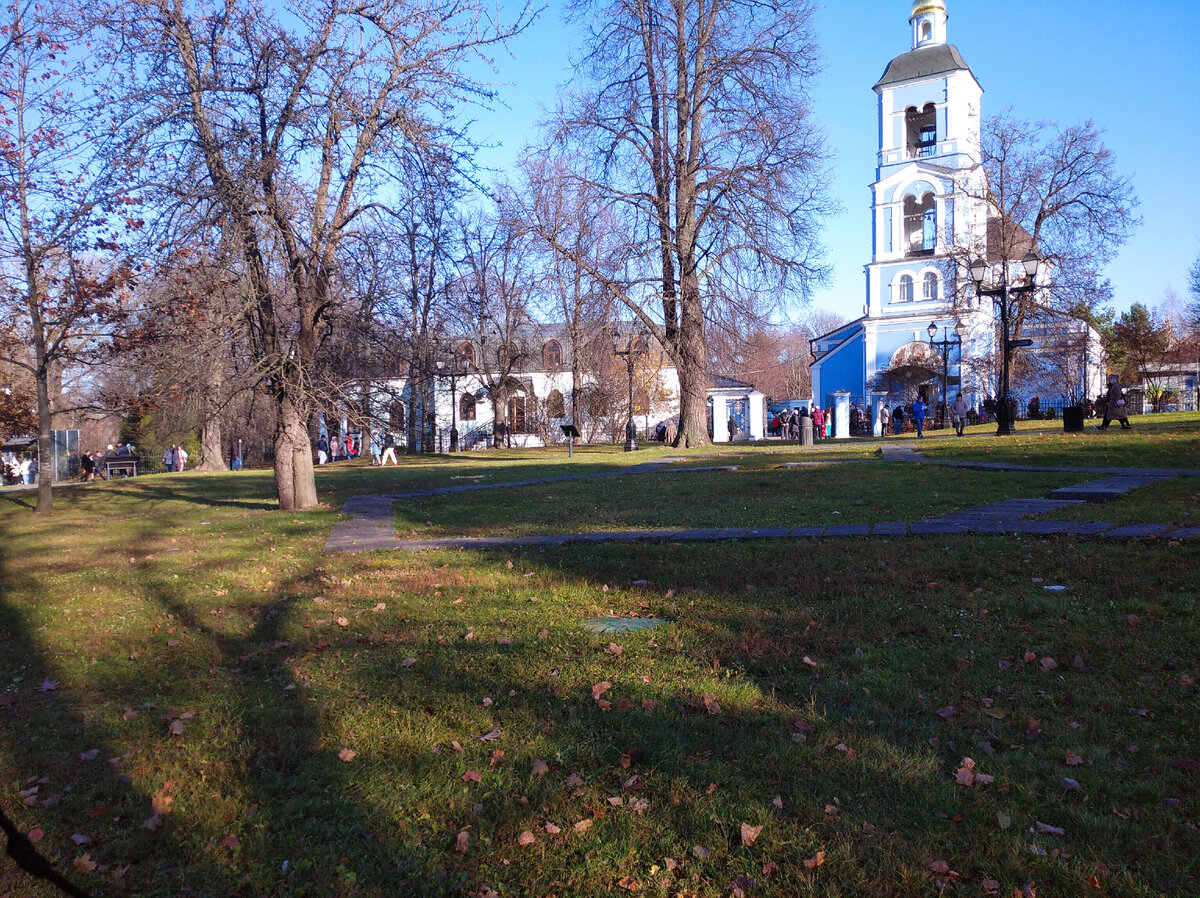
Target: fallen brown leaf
(750,834)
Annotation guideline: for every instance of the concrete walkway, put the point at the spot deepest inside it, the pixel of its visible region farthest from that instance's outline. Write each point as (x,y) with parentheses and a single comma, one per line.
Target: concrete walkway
(372,522)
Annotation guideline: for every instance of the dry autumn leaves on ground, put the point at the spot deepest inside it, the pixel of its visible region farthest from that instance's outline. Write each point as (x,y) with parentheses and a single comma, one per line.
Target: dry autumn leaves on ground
(197,699)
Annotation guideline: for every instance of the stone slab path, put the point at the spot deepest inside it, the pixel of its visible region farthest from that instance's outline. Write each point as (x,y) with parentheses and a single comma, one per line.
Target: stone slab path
(372,520)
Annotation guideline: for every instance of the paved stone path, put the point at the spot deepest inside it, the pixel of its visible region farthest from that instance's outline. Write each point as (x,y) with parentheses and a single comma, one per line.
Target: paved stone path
(372,522)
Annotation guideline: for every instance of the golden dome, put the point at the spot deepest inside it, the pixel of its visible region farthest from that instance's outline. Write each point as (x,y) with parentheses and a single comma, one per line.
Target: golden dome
(920,6)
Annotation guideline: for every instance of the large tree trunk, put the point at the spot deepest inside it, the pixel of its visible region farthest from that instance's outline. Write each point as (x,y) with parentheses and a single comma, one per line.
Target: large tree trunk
(693,384)
(692,356)
(45,498)
(295,481)
(499,419)
(212,453)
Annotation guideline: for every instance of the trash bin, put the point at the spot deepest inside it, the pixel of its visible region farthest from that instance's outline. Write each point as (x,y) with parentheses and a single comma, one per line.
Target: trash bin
(1073,418)
(805,430)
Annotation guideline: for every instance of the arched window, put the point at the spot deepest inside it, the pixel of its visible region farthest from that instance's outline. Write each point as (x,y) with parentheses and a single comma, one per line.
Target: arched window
(922,130)
(906,288)
(465,352)
(516,414)
(466,407)
(929,286)
(920,225)
(552,354)
(554,405)
(396,419)
(507,355)
(926,30)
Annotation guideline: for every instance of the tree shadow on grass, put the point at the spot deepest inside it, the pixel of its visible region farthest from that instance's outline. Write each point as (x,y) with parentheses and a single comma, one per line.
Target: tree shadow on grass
(277,695)
(71,757)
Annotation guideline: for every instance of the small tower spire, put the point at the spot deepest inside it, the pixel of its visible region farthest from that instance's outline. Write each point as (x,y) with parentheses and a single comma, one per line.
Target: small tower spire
(928,22)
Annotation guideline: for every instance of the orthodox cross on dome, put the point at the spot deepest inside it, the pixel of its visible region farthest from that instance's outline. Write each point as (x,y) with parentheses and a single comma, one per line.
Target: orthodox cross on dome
(928,22)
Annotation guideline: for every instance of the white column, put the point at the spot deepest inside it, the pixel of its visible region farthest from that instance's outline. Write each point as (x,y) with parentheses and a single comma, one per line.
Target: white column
(878,402)
(841,414)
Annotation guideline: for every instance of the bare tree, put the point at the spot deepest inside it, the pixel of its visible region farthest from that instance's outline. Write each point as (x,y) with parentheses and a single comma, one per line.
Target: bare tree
(492,305)
(63,284)
(1193,302)
(291,125)
(1055,191)
(569,215)
(425,228)
(188,346)
(690,121)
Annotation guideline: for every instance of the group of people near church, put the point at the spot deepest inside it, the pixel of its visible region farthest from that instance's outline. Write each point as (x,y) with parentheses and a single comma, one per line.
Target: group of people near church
(16,469)
(175,458)
(787,422)
(336,448)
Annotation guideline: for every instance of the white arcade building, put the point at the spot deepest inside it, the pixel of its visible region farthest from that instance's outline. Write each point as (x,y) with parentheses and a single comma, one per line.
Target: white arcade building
(927,215)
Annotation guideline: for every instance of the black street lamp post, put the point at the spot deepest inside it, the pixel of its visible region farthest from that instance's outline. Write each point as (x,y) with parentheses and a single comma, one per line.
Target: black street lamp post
(455,373)
(945,343)
(635,347)
(1006,297)
(433,414)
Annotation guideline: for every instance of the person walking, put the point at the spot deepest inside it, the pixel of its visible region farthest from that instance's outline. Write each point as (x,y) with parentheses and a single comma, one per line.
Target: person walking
(898,419)
(389,450)
(1114,405)
(885,418)
(920,408)
(958,414)
(322,450)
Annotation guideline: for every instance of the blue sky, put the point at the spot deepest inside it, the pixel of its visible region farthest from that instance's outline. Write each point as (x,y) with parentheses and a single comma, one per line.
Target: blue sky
(1133,68)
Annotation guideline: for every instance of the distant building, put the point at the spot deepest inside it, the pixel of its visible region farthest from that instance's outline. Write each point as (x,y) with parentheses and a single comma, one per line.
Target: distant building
(531,376)
(927,216)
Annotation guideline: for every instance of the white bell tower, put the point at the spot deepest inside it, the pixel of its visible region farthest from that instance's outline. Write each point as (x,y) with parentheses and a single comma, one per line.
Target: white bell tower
(928,22)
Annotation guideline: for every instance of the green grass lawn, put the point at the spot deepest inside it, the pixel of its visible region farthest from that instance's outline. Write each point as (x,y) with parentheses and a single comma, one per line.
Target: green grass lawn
(752,496)
(1163,441)
(196,699)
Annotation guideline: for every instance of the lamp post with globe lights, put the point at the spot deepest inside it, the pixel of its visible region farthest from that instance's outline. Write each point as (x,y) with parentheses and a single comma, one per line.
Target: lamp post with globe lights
(1005,297)
(944,344)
